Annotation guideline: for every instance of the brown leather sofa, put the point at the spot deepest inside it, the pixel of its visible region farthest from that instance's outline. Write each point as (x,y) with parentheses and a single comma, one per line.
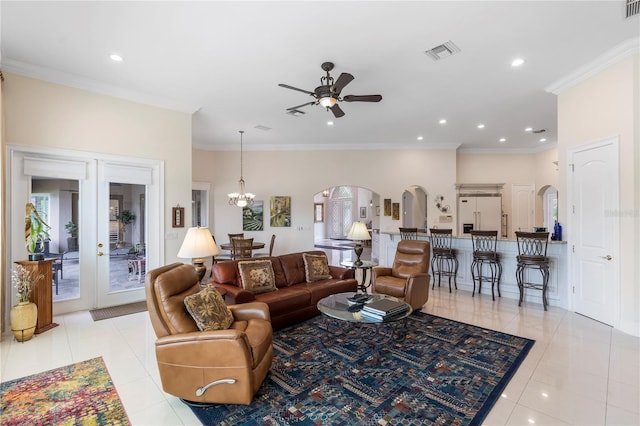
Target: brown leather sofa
(408,278)
(223,366)
(295,300)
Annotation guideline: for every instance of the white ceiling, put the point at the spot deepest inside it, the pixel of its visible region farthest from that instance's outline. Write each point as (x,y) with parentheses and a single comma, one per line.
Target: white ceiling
(224,60)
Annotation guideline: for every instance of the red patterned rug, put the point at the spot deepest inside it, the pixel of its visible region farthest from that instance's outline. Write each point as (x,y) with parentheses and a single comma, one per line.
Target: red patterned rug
(80,393)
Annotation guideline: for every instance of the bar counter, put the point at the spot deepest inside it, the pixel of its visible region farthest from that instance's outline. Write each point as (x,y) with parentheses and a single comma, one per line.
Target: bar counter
(558,291)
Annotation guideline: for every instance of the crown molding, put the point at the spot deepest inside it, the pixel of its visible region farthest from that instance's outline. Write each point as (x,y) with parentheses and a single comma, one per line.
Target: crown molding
(325,147)
(79,82)
(534,150)
(601,63)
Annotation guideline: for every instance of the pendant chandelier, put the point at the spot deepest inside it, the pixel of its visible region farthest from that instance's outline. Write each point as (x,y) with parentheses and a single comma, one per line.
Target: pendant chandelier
(242,198)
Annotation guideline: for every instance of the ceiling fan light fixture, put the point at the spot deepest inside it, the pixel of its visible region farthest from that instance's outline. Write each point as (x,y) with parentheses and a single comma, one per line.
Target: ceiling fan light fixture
(327,101)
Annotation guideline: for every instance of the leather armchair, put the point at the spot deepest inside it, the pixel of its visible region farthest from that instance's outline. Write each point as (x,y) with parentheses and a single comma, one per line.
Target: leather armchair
(408,278)
(223,366)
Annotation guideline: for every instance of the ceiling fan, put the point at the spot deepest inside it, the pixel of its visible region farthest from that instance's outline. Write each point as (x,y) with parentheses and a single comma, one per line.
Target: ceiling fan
(328,93)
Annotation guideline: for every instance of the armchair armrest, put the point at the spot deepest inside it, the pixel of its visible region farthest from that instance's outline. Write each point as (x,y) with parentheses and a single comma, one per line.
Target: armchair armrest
(205,348)
(380,271)
(252,310)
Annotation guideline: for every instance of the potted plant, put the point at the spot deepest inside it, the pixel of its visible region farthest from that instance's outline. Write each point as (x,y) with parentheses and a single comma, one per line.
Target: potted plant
(24,315)
(35,232)
(125,217)
(72,240)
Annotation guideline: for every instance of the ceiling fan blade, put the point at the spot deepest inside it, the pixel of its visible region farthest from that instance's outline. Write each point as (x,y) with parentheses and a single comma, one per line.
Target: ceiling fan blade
(300,106)
(362,98)
(286,86)
(341,82)
(337,112)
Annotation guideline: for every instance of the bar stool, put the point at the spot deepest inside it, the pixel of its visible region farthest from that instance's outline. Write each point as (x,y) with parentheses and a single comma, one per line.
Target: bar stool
(444,261)
(484,253)
(408,233)
(532,254)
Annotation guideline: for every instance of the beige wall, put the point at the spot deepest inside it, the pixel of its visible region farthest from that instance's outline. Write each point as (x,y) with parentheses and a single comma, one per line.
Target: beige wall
(301,174)
(47,115)
(511,169)
(602,107)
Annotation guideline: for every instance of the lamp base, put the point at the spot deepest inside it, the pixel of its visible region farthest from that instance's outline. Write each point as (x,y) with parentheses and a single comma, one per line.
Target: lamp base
(358,250)
(201,269)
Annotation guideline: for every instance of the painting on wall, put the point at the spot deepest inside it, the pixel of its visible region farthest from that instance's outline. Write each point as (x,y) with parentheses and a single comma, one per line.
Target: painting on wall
(396,211)
(253,217)
(387,206)
(280,211)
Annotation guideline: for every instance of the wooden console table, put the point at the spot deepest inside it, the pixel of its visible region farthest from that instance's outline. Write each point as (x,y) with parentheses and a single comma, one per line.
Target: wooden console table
(42,292)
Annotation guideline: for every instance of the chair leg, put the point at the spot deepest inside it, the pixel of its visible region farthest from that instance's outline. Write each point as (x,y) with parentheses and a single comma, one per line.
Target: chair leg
(545,282)
(455,272)
(473,276)
(519,279)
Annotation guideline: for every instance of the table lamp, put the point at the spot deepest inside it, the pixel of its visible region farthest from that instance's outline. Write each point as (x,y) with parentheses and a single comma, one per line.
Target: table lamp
(198,243)
(358,233)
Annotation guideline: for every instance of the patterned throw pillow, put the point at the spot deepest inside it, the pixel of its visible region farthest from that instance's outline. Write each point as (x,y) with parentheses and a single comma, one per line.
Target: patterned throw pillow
(208,310)
(257,276)
(316,267)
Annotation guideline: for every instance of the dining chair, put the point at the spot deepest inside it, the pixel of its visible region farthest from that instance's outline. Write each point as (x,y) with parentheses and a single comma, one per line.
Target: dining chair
(242,248)
(232,236)
(220,256)
(408,233)
(270,253)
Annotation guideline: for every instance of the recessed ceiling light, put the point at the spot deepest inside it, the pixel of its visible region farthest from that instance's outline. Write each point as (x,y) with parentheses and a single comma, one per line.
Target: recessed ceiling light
(528,129)
(517,62)
(420,138)
(502,140)
(329,123)
(116,58)
(543,139)
(480,126)
(443,121)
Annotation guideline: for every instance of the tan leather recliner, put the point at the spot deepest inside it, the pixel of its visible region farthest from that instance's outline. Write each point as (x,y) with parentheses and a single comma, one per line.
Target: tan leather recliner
(224,366)
(408,278)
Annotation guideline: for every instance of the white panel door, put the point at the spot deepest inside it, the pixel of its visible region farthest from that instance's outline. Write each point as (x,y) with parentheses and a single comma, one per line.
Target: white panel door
(594,236)
(522,208)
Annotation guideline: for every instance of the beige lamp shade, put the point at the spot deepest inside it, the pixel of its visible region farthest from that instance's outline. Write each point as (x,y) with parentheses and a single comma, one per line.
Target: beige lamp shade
(198,243)
(358,232)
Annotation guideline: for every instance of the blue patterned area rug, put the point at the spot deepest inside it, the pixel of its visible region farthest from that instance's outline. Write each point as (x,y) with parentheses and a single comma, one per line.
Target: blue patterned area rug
(444,372)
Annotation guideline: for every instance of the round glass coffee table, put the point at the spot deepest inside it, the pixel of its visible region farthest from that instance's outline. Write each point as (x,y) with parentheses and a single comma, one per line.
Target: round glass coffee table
(342,322)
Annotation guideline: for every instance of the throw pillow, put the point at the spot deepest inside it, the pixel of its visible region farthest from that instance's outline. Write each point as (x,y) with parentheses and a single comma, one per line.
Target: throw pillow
(257,276)
(316,267)
(208,310)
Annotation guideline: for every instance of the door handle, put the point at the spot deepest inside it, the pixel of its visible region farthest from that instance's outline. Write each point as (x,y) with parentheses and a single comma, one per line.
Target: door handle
(100,253)
(607,257)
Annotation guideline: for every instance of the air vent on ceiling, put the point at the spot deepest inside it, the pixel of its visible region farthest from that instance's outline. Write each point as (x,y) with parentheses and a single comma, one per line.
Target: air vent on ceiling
(539,131)
(443,51)
(261,127)
(296,112)
(633,7)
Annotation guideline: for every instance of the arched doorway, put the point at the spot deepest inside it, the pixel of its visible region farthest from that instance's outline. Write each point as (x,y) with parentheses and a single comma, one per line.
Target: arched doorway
(414,207)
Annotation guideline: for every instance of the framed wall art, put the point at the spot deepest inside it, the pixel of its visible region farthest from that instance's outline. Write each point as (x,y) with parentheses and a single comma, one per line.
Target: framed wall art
(253,217)
(363,212)
(318,213)
(280,211)
(387,206)
(177,214)
(396,211)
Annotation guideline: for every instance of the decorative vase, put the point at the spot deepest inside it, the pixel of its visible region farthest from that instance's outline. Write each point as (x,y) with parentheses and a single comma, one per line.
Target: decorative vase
(24,317)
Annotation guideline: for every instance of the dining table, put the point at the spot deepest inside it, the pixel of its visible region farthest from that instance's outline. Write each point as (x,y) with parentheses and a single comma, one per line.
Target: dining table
(257,245)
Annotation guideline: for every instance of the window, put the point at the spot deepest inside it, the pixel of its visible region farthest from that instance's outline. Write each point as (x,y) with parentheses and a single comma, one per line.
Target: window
(200,204)
(41,203)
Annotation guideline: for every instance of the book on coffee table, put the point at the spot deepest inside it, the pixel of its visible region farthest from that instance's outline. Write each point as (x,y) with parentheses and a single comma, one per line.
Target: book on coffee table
(385,307)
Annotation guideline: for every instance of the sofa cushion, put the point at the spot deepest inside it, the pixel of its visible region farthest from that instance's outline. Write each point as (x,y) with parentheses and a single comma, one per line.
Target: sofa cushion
(286,299)
(257,276)
(316,268)
(209,310)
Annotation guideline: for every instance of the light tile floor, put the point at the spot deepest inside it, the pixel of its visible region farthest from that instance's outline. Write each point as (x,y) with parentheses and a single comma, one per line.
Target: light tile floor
(579,371)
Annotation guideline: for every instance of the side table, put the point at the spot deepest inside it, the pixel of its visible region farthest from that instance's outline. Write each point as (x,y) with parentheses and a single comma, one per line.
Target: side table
(366,266)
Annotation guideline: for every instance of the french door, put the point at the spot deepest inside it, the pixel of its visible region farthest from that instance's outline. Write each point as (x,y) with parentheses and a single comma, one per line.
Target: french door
(108,272)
